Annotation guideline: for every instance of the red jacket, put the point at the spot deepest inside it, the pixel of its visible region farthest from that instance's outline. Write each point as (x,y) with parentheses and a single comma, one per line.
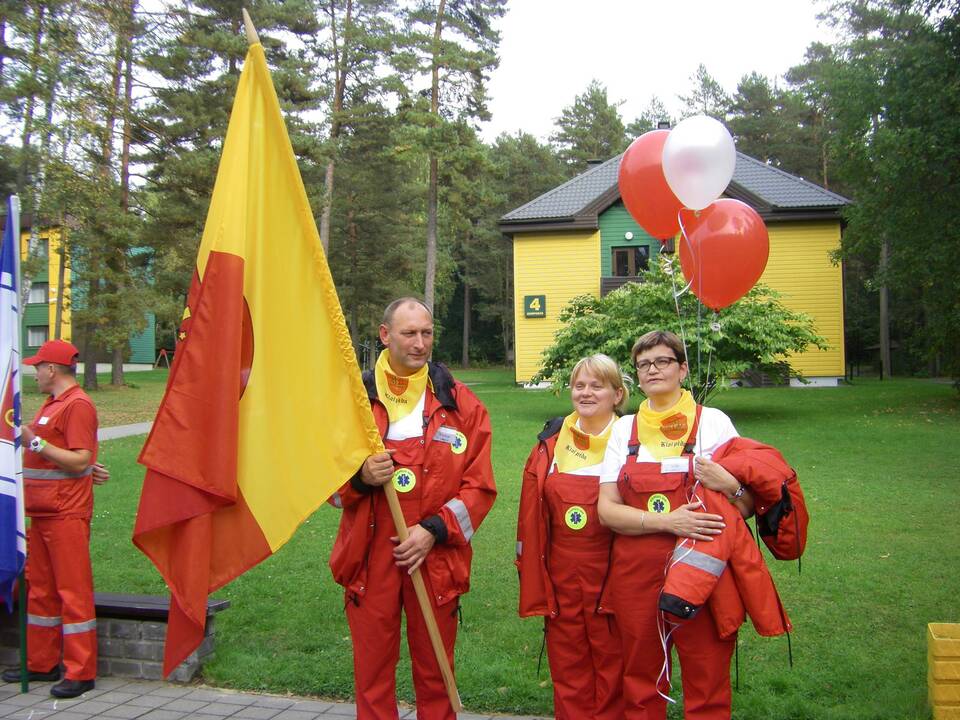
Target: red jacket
(459,493)
(536,589)
(68,421)
(782,516)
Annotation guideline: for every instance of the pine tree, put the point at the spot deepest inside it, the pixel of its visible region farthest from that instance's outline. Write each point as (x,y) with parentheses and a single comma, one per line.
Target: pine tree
(453,43)
(589,129)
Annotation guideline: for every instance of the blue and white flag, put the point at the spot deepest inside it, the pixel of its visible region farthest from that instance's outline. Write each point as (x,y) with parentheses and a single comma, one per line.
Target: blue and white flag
(13,539)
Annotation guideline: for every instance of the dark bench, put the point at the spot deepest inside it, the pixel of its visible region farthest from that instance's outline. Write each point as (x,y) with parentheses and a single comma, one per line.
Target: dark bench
(131,630)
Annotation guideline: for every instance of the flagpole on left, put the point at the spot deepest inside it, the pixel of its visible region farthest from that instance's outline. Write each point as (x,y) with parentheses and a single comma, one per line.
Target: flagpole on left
(18,448)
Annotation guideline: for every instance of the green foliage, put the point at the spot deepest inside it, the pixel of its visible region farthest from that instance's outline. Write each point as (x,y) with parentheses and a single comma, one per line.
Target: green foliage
(756,333)
(776,125)
(706,96)
(589,129)
(892,86)
(655,113)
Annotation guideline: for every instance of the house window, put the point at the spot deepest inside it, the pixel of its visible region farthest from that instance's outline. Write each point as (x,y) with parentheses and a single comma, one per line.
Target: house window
(37,336)
(630,261)
(39,293)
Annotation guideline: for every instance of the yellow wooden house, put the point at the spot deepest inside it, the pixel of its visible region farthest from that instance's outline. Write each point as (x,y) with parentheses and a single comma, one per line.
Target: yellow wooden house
(578,239)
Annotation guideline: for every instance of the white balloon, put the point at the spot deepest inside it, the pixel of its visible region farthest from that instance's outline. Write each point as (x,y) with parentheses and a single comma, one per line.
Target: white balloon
(698,160)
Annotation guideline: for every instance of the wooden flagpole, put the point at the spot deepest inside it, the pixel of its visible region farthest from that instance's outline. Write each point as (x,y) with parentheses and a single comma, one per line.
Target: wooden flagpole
(426,607)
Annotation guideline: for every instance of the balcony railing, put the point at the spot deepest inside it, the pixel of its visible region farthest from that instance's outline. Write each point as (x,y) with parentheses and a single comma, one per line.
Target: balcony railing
(611,283)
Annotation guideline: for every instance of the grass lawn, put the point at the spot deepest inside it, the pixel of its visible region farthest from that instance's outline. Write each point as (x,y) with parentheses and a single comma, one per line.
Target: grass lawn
(134,402)
(878,463)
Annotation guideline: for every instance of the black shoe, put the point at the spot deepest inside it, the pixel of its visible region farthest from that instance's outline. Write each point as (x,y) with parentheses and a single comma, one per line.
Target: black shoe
(71,688)
(13,675)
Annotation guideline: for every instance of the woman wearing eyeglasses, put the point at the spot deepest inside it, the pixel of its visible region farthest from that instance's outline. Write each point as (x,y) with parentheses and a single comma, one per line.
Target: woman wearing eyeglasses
(563,551)
(646,499)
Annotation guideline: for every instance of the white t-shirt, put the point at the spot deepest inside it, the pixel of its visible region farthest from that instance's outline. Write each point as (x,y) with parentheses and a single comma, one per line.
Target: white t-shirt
(714,430)
(409,426)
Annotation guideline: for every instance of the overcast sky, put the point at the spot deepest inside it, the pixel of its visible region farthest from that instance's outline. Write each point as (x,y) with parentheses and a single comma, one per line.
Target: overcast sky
(551,49)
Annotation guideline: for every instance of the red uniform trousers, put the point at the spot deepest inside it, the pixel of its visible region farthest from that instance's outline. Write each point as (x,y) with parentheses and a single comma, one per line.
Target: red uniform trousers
(61,616)
(636,579)
(374,619)
(583,647)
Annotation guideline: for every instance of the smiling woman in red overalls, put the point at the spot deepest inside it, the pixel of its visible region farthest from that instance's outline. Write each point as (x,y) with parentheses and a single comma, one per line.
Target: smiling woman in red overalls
(645,498)
(563,551)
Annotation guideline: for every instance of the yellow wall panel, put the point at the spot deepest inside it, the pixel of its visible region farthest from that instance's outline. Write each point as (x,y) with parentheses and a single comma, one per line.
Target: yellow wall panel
(52,237)
(560,266)
(54,271)
(801,270)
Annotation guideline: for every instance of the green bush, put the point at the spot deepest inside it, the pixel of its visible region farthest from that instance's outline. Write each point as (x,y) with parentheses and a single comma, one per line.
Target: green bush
(758,332)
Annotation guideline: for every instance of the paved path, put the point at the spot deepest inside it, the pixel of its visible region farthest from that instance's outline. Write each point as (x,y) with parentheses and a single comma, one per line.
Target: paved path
(145,700)
(119,431)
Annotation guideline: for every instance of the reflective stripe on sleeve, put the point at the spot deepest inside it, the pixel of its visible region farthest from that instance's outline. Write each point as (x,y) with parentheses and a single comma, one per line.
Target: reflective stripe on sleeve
(337,500)
(463,517)
(44,620)
(80,627)
(519,548)
(699,560)
(48,474)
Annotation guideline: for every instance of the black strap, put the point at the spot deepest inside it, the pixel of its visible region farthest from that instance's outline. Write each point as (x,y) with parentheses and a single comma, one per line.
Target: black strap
(736,652)
(543,646)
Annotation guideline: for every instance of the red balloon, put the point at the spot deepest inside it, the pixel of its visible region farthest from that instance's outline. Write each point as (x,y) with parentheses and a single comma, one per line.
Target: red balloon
(644,189)
(725,251)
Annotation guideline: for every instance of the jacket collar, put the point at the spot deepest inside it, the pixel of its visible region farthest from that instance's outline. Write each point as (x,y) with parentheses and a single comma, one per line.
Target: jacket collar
(550,428)
(440,378)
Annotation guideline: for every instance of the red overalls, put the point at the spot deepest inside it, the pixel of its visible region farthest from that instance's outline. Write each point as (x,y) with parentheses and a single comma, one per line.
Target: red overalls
(61,615)
(583,647)
(636,579)
(375,618)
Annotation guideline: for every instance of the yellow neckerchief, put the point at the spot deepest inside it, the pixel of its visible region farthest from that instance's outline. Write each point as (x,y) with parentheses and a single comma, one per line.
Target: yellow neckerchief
(399,395)
(576,449)
(665,433)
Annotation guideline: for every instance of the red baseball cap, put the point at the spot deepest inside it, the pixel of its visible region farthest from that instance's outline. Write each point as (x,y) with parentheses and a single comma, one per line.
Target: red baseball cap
(59,352)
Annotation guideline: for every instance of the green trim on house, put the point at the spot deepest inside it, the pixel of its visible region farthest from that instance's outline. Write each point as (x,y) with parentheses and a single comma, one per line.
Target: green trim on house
(143,345)
(34,315)
(615,222)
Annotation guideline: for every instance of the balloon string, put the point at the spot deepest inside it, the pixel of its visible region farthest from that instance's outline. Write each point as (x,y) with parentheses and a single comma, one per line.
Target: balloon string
(677,294)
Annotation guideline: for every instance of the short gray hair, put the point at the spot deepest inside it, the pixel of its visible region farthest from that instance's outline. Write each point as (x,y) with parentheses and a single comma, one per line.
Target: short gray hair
(399,302)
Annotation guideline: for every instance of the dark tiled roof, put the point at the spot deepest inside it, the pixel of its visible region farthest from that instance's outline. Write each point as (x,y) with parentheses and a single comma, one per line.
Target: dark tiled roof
(765,187)
(780,189)
(567,200)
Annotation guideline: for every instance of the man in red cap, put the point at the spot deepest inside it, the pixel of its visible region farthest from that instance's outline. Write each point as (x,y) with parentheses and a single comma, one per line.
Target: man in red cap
(58,471)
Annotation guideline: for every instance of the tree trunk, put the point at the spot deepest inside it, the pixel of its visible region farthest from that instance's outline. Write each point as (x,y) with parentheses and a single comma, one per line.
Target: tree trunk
(126,39)
(340,71)
(465,349)
(27,132)
(885,364)
(431,263)
(116,369)
(89,347)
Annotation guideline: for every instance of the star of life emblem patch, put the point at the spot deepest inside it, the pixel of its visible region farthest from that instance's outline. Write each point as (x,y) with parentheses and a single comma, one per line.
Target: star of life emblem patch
(658,503)
(576,517)
(404,480)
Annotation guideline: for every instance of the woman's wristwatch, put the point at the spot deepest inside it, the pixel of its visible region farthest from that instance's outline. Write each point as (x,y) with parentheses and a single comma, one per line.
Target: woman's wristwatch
(37,444)
(738,494)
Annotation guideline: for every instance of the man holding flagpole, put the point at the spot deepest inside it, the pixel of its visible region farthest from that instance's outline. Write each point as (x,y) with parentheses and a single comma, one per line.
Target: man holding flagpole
(58,471)
(437,438)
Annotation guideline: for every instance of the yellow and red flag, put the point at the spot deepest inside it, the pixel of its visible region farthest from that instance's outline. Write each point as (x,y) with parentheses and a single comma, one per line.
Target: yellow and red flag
(265,414)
